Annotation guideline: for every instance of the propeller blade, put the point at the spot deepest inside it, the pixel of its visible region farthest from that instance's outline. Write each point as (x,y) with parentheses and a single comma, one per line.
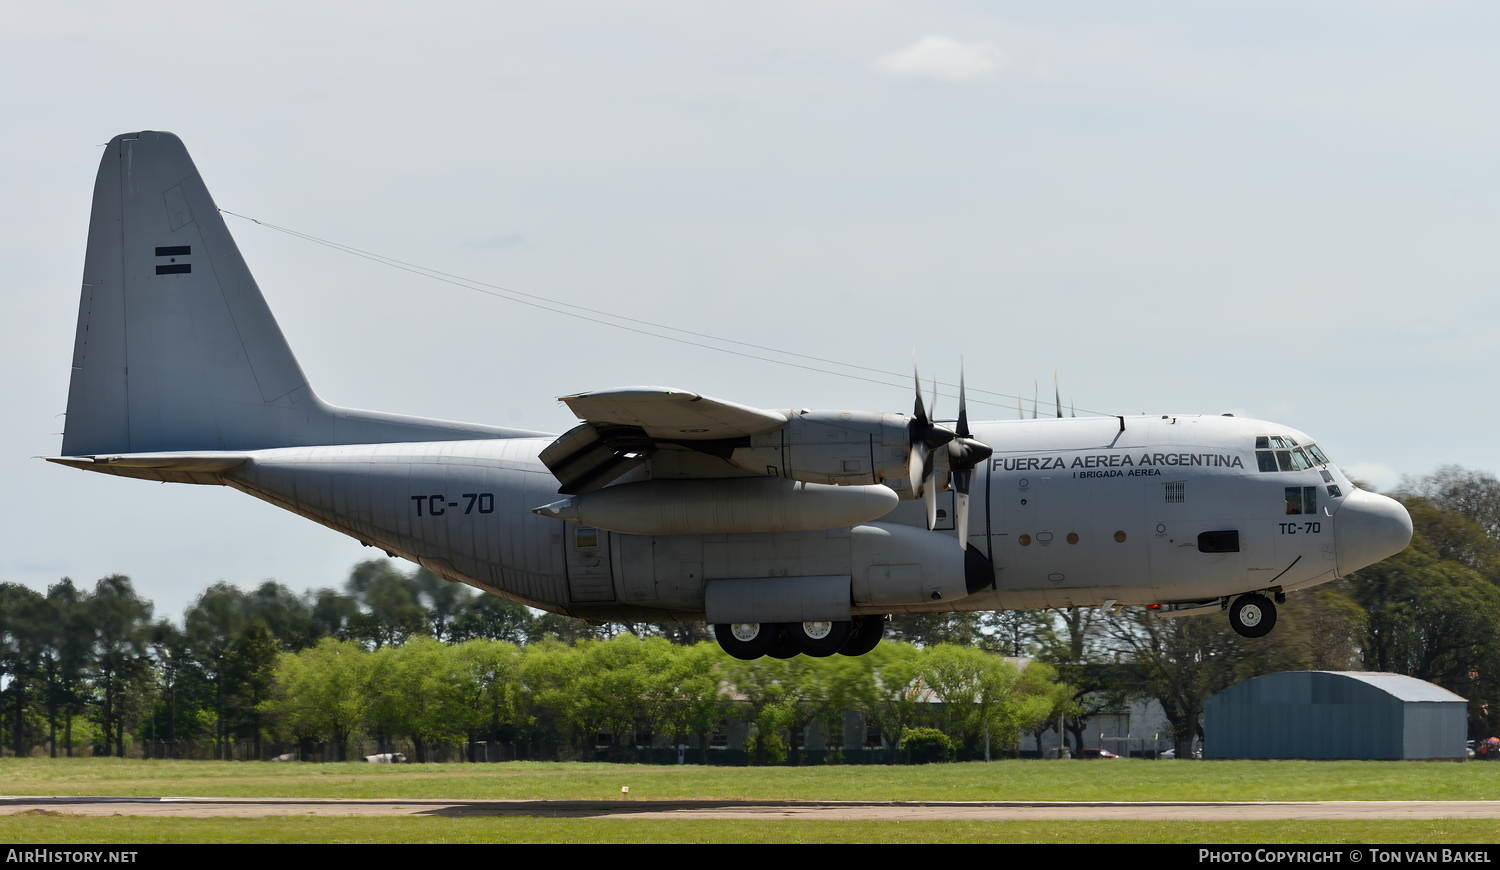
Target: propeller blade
(925,437)
(961,514)
(929,495)
(963,410)
(1057,395)
(919,411)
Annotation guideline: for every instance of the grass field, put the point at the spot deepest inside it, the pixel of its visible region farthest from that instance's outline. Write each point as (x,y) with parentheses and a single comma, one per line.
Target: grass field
(1115,780)
(1122,780)
(33,829)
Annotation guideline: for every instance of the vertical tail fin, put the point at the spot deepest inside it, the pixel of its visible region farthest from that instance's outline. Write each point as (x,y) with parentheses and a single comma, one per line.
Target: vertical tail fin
(176,348)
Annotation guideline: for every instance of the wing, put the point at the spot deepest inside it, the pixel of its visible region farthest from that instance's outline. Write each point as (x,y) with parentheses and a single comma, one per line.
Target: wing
(624,428)
(678,415)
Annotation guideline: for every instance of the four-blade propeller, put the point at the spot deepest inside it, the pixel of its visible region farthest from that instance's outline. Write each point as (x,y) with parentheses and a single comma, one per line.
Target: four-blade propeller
(933,445)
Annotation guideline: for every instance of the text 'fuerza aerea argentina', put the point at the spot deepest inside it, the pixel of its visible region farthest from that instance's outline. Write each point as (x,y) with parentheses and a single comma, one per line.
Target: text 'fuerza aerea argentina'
(1116,464)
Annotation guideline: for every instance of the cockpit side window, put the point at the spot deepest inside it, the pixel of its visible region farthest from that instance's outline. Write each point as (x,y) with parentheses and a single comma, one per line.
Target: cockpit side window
(1266,459)
(1318,457)
(1301,500)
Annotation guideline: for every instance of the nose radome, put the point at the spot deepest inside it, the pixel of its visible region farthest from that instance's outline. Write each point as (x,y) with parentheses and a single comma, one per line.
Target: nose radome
(1368,528)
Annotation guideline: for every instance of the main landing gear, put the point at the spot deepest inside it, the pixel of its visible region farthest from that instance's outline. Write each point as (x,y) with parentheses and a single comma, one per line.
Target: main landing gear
(782,640)
(1253,614)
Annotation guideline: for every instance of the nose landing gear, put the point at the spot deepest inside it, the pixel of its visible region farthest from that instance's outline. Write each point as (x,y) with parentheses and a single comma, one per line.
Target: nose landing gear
(1252,615)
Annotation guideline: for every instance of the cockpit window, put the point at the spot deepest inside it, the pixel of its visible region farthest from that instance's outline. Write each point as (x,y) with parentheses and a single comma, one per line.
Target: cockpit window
(1282,453)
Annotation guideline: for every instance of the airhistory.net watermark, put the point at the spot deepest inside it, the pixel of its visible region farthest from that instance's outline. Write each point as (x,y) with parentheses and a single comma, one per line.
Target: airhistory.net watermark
(67,856)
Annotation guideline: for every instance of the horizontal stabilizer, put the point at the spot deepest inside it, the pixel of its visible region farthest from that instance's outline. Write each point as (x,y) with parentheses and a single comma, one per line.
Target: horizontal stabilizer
(202,467)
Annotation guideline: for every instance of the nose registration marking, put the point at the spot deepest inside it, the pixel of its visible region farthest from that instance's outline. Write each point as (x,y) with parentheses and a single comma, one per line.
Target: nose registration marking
(1308,528)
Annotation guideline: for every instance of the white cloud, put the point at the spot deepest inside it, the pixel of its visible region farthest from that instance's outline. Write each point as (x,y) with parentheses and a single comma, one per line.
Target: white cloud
(940,59)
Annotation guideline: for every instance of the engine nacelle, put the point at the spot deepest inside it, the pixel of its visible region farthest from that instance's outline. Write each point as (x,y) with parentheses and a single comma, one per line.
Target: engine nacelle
(894,565)
(734,505)
(891,567)
(836,447)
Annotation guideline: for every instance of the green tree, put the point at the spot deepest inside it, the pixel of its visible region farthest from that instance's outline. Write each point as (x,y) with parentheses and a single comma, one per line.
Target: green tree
(390,609)
(614,690)
(287,616)
(984,697)
(926,745)
(1435,620)
(211,624)
(443,600)
(493,618)
(1077,645)
(930,629)
(1015,633)
(177,713)
(322,693)
(1474,495)
(250,674)
(121,621)
(493,677)
(769,690)
(23,641)
(421,690)
(890,697)
(547,672)
(691,695)
(334,614)
(1182,662)
(68,657)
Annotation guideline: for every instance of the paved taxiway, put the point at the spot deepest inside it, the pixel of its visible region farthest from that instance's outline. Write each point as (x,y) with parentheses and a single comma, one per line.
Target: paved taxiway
(212,807)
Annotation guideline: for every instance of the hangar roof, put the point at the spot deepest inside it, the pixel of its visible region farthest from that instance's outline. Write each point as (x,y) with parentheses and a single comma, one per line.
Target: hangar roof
(1399,686)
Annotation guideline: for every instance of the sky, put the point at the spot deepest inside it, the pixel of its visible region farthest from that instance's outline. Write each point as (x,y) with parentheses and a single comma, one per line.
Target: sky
(1284,210)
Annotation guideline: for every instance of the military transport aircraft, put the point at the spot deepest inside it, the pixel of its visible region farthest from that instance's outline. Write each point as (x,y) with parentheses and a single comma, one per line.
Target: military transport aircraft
(792,531)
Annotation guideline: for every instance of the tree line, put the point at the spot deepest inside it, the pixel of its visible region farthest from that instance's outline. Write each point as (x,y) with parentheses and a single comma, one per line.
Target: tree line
(613,698)
(96,668)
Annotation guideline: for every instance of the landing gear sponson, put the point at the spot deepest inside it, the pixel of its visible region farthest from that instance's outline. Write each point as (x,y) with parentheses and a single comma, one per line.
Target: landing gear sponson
(782,640)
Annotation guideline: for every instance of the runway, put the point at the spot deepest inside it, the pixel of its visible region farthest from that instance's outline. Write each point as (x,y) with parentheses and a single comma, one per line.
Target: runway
(217,807)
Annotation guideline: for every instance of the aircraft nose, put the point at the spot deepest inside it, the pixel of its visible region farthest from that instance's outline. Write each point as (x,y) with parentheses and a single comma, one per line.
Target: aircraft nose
(1368,528)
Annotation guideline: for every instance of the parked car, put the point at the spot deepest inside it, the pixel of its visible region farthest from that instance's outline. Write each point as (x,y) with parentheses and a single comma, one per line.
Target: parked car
(387,758)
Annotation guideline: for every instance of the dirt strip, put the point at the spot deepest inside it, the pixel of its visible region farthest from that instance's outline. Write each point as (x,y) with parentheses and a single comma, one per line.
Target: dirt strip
(209,807)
